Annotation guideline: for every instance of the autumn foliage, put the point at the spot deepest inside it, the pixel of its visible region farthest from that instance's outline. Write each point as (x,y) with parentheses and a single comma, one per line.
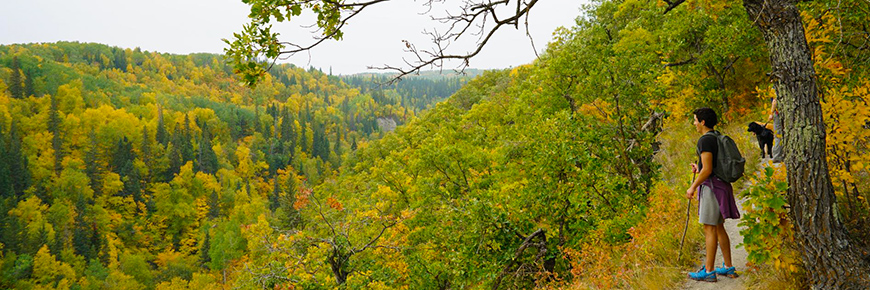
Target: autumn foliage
(126,169)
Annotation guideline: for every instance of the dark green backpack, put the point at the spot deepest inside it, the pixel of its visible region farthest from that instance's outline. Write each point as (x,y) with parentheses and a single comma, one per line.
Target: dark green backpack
(729,165)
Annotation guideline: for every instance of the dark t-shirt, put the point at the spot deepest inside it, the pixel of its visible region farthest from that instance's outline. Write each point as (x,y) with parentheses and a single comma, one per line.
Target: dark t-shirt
(707,143)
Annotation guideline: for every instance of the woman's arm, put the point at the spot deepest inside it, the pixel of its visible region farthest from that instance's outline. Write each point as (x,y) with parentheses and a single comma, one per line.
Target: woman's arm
(772,109)
(706,171)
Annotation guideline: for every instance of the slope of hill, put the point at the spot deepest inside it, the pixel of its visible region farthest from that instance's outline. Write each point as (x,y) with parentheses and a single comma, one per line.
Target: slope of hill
(130,170)
(115,156)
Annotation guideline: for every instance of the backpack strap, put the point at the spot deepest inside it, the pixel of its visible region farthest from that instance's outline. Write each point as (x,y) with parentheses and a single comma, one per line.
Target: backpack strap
(715,134)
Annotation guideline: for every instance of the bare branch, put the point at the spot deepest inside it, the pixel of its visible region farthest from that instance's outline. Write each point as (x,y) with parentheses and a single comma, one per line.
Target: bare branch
(531,40)
(607,201)
(480,18)
(471,13)
(672,5)
(682,62)
(515,265)
(321,39)
(374,239)
(320,212)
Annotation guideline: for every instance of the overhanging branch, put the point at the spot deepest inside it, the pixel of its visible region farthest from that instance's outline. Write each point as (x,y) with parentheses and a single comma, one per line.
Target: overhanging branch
(471,12)
(481,18)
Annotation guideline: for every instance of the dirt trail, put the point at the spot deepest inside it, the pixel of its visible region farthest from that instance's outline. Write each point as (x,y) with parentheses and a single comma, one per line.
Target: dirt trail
(738,255)
(738,258)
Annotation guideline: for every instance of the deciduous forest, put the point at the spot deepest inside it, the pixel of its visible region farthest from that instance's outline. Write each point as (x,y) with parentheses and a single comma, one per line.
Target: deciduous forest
(128,169)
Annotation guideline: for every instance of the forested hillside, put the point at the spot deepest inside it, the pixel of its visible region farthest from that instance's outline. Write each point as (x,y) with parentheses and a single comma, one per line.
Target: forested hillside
(427,89)
(130,170)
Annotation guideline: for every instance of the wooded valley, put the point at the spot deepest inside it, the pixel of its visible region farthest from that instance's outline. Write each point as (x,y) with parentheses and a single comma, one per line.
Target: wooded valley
(128,169)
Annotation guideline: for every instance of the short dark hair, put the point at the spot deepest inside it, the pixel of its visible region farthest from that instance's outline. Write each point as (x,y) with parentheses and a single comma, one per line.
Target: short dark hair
(708,116)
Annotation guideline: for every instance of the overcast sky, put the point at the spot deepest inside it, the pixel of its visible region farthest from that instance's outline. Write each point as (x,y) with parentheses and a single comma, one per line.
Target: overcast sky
(373,38)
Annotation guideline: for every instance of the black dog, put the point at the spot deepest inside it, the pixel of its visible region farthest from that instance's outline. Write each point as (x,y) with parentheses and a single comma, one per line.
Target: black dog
(764,136)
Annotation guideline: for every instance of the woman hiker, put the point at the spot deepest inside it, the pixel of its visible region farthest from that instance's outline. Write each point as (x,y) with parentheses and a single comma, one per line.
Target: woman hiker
(715,199)
(777,128)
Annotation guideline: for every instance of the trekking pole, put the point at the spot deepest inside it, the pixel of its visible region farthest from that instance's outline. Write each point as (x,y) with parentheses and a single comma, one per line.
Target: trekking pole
(688,209)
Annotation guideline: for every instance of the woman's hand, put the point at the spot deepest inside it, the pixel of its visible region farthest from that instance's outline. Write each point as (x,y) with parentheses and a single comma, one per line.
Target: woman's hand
(690,193)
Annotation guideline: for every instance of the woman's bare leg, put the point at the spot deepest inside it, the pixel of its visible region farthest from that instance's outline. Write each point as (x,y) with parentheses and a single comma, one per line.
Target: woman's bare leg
(724,244)
(710,235)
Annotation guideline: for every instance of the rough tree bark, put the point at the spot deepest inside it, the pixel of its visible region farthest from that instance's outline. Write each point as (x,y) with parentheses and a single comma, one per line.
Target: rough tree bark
(831,260)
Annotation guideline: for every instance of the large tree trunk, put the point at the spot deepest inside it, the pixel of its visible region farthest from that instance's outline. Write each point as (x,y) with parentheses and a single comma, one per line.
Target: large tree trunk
(831,260)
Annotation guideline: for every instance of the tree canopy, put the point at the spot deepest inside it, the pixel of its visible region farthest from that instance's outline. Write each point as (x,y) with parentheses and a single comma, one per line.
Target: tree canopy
(130,169)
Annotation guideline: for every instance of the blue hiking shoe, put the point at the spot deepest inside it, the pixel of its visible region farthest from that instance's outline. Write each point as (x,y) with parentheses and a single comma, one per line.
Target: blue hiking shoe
(730,272)
(703,275)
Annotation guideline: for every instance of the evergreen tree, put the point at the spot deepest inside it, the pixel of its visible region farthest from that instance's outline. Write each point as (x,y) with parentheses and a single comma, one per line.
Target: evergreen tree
(120,59)
(91,162)
(6,189)
(325,149)
(345,106)
(285,80)
(82,232)
(99,59)
(288,217)
(353,144)
(269,131)
(9,227)
(337,148)
(175,157)
(257,126)
(274,198)
(233,122)
(146,151)
(122,164)
(316,142)
(56,139)
(29,90)
(96,242)
(241,126)
(31,246)
(207,160)
(275,162)
(161,134)
(16,162)
(204,258)
(273,111)
(288,132)
(303,142)
(307,117)
(321,143)
(15,88)
(186,147)
(122,157)
(214,205)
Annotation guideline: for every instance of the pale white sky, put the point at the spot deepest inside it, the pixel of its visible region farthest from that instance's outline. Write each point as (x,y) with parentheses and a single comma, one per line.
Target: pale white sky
(373,38)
